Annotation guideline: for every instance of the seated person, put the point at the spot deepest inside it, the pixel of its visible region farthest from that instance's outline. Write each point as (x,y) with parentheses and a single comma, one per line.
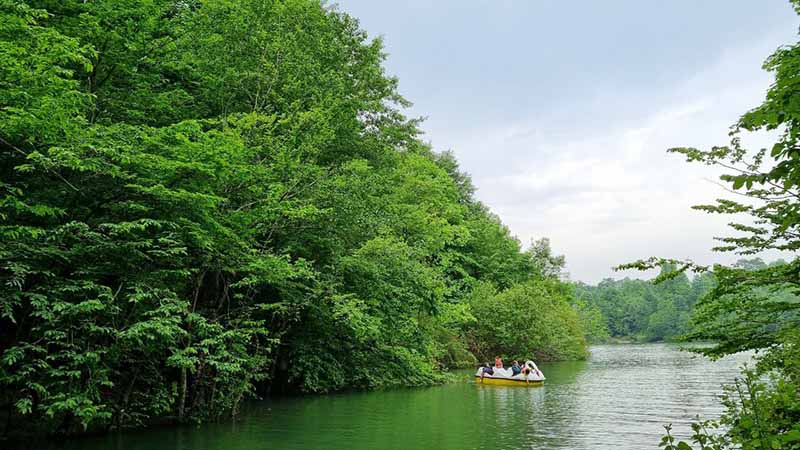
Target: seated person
(486,370)
(498,362)
(515,368)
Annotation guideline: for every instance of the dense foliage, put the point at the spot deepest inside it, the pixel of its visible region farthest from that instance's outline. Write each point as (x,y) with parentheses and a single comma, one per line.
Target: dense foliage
(510,321)
(756,307)
(639,309)
(206,201)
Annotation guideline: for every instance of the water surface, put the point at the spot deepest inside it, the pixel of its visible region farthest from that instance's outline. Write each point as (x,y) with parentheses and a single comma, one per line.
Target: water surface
(619,399)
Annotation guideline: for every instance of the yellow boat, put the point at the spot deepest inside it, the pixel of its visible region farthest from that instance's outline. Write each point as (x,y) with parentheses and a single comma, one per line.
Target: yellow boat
(505,377)
(487,380)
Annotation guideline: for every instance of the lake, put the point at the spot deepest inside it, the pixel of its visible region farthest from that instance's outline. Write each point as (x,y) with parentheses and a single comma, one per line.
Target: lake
(619,398)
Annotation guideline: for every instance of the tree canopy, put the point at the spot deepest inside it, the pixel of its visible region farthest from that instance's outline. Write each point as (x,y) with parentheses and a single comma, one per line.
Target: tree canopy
(203,202)
(642,310)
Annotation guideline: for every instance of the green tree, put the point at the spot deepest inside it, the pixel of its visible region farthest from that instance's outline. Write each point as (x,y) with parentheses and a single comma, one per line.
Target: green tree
(207,201)
(754,306)
(530,319)
(640,309)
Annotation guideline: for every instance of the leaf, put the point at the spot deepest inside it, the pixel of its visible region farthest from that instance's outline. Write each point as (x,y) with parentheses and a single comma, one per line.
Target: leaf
(24,405)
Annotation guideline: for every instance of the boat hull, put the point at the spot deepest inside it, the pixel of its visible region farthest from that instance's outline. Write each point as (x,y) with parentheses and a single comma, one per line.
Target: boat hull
(507,382)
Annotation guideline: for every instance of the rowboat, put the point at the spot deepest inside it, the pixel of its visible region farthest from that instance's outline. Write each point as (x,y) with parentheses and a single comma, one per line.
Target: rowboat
(505,377)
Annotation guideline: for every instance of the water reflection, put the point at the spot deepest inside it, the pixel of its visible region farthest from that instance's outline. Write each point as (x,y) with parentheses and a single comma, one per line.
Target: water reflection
(510,408)
(619,399)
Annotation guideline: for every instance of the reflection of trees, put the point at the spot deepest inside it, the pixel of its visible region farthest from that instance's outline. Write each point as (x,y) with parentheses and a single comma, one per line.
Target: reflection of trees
(618,399)
(533,417)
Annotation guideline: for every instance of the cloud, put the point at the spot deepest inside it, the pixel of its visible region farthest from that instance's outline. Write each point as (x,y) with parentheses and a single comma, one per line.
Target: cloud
(601,185)
(562,111)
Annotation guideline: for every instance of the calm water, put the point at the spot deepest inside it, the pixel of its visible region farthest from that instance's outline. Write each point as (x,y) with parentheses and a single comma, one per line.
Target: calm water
(619,399)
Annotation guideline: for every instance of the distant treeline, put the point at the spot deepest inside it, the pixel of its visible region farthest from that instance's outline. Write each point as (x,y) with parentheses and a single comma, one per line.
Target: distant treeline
(642,310)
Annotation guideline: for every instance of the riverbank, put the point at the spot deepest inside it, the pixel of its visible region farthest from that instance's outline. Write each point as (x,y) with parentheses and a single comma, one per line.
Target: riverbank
(620,340)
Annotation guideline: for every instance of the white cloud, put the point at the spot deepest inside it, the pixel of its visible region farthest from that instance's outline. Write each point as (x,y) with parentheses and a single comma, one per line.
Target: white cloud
(564,128)
(599,182)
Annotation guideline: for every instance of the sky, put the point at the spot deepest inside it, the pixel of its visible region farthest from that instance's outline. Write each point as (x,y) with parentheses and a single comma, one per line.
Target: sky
(562,111)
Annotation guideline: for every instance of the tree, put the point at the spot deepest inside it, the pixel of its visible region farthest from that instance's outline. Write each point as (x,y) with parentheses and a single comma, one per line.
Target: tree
(754,306)
(548,264)
(533,318)
(642,310)
(203,202)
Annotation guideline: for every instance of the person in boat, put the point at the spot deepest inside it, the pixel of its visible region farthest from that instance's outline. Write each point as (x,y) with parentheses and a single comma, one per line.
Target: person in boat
(526,370)
(486,370)
(498,362)
(515,368)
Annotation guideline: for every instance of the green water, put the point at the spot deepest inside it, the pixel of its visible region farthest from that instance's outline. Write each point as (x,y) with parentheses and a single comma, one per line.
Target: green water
(618,399)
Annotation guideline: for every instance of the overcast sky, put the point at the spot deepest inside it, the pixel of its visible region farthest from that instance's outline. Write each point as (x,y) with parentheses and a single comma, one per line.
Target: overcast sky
(562,110)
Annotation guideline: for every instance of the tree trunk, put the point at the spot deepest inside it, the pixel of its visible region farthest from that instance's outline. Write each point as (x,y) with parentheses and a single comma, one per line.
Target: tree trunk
(182,399)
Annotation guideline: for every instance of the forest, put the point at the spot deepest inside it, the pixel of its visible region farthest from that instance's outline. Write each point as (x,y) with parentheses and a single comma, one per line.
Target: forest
(660,309)
(205,202)
(640,310)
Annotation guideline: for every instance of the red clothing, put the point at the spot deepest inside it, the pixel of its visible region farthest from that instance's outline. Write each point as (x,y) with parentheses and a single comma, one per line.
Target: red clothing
(498,363)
